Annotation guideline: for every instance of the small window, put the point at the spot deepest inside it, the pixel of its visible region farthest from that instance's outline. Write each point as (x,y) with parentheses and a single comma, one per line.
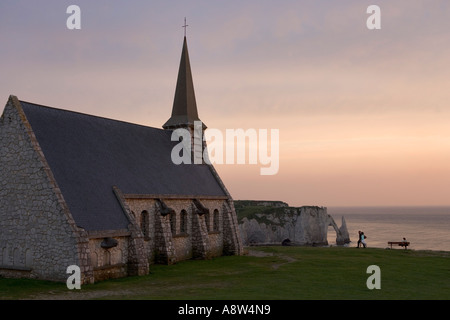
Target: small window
(183,221)
(145,224)
(216,220)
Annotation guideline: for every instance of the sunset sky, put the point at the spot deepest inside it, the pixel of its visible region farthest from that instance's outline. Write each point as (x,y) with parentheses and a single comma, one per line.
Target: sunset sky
(363,115)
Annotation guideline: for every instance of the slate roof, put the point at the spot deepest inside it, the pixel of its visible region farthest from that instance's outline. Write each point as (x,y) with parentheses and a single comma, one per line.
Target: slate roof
(88,155)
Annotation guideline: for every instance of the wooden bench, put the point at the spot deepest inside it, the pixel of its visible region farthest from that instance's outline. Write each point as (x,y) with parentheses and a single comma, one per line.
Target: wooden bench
(400,243)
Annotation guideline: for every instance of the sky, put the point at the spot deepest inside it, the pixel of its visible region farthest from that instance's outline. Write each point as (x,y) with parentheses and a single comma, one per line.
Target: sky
(363,115)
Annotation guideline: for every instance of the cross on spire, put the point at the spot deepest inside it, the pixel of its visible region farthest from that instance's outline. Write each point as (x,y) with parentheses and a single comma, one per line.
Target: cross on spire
(185,26)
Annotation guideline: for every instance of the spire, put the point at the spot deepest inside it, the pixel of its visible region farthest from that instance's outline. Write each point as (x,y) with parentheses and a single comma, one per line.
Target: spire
(184,111)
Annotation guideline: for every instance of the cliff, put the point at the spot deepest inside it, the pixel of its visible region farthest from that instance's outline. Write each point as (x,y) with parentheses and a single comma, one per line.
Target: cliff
(272,222)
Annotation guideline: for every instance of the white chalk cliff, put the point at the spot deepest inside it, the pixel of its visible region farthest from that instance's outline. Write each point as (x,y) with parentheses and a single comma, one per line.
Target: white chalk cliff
(274,222)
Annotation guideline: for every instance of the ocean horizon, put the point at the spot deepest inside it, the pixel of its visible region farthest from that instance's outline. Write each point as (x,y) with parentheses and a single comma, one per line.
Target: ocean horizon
(425,227)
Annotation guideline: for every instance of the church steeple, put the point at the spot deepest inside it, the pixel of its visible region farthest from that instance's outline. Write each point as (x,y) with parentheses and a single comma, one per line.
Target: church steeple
(184,111)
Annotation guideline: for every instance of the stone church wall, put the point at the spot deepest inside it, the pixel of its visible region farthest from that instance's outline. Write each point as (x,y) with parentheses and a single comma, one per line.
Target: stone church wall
(139,208)
(37,238)
(182,235)
(183,247)
(109,262)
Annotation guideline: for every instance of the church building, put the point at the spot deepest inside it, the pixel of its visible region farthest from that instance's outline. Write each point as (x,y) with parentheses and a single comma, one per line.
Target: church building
(105,195)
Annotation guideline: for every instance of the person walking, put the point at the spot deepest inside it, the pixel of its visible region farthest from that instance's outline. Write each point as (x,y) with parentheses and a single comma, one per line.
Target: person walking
(363,239)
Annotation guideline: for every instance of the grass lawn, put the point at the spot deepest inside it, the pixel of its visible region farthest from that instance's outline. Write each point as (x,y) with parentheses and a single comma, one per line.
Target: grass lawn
(283,273)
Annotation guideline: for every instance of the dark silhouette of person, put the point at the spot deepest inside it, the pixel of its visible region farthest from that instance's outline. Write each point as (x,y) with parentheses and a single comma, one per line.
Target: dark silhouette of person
(363,239)
(359,239)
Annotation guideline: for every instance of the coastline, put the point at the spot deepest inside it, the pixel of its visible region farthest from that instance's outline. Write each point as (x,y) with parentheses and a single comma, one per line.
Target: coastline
(426,228)
(262,245)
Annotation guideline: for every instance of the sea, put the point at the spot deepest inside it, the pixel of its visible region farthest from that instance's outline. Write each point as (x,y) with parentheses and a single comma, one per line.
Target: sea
(426,228)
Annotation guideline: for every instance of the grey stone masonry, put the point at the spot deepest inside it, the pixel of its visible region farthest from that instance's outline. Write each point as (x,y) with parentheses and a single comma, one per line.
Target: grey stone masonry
(232,244)
(137,258)
(38,236)
(200,238)
(180,227)
(164,251)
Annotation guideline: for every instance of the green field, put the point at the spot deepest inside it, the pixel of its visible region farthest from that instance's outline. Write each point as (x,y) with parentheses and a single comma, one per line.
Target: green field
(283,273)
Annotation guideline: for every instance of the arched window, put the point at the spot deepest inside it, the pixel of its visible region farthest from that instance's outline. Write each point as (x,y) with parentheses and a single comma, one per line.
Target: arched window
(183,221)
(216,217)
(145,224)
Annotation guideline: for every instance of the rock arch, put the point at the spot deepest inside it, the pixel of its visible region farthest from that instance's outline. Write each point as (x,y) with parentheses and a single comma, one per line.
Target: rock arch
(342,235)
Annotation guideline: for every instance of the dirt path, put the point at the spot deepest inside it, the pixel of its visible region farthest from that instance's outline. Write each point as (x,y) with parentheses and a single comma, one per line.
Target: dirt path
(257,253)
(288,260)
